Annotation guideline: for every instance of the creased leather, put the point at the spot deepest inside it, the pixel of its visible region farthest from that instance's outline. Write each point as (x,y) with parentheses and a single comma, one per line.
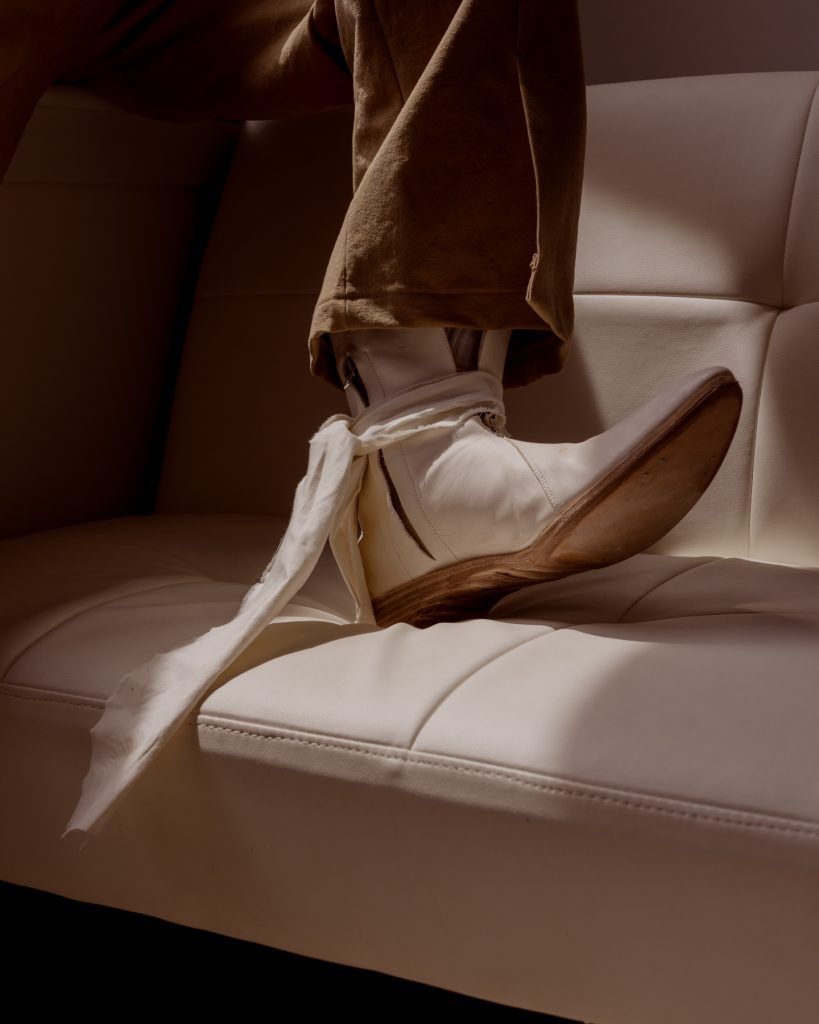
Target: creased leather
(152,701)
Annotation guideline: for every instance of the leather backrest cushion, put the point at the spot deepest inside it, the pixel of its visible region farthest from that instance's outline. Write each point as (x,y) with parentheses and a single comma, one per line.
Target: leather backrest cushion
(698,245)
(245,402)
(103,216)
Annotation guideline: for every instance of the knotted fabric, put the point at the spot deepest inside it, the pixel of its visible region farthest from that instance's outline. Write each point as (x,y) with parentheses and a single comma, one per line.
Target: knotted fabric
(153,700)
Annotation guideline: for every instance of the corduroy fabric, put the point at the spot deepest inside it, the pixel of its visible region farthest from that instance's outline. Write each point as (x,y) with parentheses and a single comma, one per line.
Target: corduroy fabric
(468,143)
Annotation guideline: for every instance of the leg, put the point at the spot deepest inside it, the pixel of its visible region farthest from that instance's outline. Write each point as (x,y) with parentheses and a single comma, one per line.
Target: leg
(468,145)
(468,150)
(468,154)
(468,157)
(453,513)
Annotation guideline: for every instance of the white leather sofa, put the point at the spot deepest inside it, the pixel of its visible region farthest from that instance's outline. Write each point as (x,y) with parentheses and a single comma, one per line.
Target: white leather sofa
(601,802)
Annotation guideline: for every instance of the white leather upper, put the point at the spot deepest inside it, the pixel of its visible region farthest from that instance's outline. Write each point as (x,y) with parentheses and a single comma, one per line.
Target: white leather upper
(469,492)
(598,802)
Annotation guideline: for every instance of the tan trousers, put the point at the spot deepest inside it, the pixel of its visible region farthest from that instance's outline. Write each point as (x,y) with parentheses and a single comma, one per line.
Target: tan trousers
(468,139)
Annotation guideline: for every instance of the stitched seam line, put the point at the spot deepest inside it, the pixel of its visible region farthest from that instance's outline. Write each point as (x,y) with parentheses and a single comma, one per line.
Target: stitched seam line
(706,296)
(443,698)
(82,611)
(92,703)
(143,546)
(662,583)
(403,454)
(793,193)
(755,433)
(713,818)
(544,483)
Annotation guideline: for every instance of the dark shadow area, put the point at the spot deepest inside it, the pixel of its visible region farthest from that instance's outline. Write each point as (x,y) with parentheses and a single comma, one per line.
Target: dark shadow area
(82,954)
(700,37)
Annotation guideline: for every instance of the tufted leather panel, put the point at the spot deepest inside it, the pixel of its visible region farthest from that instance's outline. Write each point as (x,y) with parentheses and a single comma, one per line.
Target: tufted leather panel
(693,237)
(103,216)
(83,605)
(666,337)
(610,766)
(698,245)
(679,194)
(596,802)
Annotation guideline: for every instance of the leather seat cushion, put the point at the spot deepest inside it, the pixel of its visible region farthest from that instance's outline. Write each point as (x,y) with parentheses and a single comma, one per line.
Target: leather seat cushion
(669,678)
(670,700)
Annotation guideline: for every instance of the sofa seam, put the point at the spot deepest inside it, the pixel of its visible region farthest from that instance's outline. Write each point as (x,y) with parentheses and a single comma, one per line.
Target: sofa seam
(91,703)
(81,612)
(410,757)
(452,690)
(658,586)
(789,213)
(707,296)
(755,428)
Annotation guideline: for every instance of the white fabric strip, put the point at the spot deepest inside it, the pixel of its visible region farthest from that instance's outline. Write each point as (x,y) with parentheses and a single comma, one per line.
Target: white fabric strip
(153,700)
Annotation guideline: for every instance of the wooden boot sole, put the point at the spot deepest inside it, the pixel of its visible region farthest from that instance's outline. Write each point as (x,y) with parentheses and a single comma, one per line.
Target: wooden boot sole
(625,512)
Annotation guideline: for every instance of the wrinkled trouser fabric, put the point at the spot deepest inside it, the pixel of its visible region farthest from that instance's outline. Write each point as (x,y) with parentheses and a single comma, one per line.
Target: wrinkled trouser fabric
(468,138)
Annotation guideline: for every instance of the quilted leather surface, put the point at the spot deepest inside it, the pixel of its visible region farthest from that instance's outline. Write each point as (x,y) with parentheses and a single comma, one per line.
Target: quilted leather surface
(611,678)
(598,802)
(666,707)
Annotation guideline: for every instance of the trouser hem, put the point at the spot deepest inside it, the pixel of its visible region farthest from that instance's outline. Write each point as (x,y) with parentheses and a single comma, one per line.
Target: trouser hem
(535,349)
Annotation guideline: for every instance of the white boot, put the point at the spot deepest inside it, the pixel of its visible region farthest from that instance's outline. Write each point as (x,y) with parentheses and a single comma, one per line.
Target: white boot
(451,514)
(452,519)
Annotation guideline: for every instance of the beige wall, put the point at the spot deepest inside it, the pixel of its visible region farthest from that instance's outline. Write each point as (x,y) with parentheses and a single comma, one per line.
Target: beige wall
(625,40)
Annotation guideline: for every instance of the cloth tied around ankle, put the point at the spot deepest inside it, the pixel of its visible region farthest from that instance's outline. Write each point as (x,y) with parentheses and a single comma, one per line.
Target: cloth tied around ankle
(153,700)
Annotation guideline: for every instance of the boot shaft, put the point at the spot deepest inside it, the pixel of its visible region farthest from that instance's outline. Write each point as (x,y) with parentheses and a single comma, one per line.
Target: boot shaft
(375,365)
